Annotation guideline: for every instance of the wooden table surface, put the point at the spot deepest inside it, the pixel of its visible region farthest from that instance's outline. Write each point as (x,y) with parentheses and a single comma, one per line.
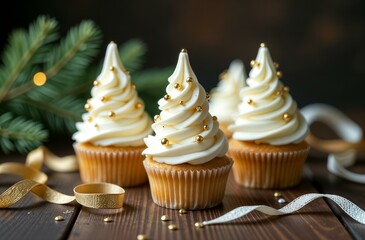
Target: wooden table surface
(33,218)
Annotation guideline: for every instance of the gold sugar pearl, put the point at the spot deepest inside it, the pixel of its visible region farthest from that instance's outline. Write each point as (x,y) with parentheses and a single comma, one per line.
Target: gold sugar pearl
(142,237)
(59,218)
(199,225)
(108,219)
(111,68)
(207,96)
(164,141)
(277,194)
(89,119)
(96,126)
(215,118)
(157,118)
(172,227)
(166,97)
(199,108)
(182,211)
(286,117)
(286,89)
(103,99)
(205,127)
(250,102)
(278,93)
(177,86)
(263,45)
(189,79)
(96,83)
(165,218)
(111,114)
(87,107)
(276,65)
(138,105)
(253,63)
(181,102)
(184,50)
(199,139)
(279,74)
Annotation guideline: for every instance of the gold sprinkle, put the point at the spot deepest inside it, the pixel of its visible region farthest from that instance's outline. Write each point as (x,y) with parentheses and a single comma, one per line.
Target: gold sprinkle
(199,108)
(96,83)
(166,97)
(108,219)
(39,79)
(199,225)
(142,237)
(277,194)
(279,74)
(276,65)
(59,218)
(199,139)
(181,102)
(253,63)
(215,118)
(177,86)
(111,68)
(89,119)
(103,99)
(172,227)
(286,117)
(96,125)
(164,141)
(111,114)
(87,107)
(189,79)
(157,118)
(138,105)
(286,89)
(263,45)
(250,102)
(165,218)
(205,127)
(182,211)
(184,50)
(207,96)
(278,93)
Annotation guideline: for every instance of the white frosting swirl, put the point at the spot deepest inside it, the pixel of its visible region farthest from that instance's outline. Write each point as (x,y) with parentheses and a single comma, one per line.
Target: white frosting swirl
(267,113)
(224,99)
(116,115)
(181,123)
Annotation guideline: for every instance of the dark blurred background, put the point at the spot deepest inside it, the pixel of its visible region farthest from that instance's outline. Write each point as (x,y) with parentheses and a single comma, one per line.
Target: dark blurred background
(319,44)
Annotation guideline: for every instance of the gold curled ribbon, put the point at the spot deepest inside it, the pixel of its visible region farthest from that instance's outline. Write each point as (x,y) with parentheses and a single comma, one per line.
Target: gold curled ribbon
(92,195)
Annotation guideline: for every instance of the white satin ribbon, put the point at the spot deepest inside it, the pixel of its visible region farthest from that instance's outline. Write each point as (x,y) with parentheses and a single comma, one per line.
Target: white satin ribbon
(347,129)
(347,206)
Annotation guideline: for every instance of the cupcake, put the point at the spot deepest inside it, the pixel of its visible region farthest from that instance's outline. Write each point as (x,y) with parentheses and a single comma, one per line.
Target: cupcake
(267,145)
(224,98)
(109,141)
(186,160)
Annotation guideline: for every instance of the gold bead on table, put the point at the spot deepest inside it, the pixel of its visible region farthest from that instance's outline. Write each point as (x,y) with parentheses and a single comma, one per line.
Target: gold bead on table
(166,97)
(182,211)
(142,237)
(263,45)
(87,107)
(157,118)
(108,219)
(205,127)
(184,50)
(138,105)
(199,139)
(165,218)
(276,65)
(199,108)
(279,74)
(172,227)
(111,68)
(111,114)
(286,89)
(287,117)
(96,83)
(59,218)
(199,225)
(189,79)
(250,102)
(164,141)
(277,194)
(177,86)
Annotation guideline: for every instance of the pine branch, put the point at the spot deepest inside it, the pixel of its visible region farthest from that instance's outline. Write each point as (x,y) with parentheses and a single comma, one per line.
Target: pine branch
(132,54)
(18,134)
(25,48)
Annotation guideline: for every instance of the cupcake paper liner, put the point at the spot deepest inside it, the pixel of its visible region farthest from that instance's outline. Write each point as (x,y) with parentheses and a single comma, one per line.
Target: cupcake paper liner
(268,170)
(124,168)
(187,189)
